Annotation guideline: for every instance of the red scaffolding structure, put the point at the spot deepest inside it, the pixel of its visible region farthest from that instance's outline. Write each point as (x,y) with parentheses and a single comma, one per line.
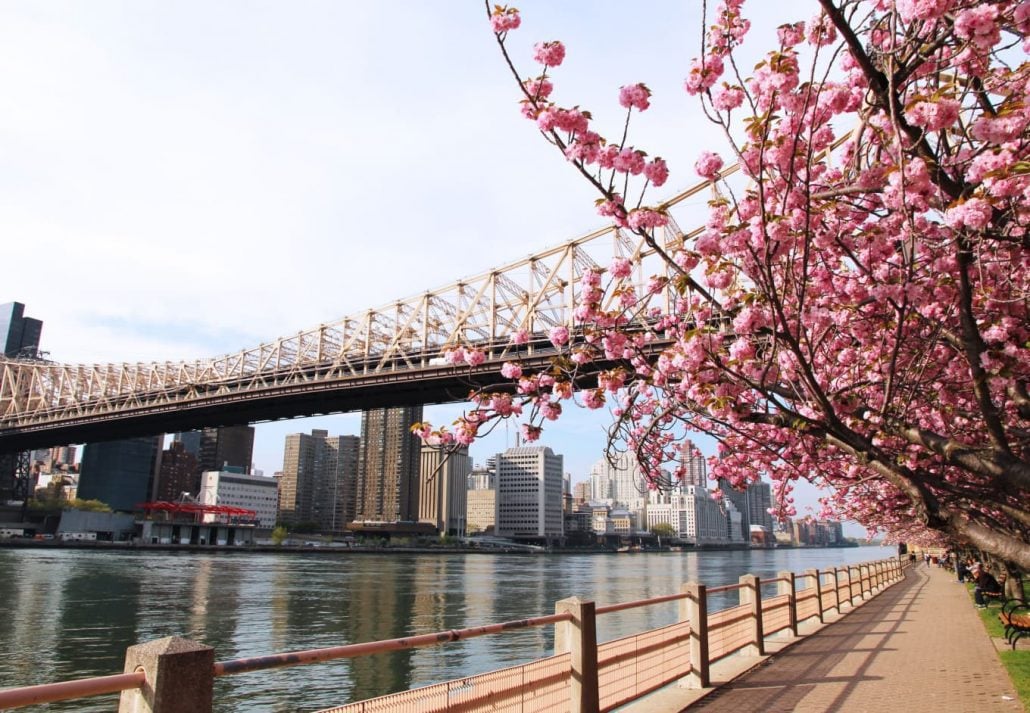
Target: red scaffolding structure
(225,513)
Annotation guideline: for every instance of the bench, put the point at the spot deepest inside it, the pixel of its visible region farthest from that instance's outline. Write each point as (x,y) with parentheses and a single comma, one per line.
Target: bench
(1015,615)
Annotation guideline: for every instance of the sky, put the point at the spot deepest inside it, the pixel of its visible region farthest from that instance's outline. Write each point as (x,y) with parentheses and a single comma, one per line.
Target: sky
(187,179)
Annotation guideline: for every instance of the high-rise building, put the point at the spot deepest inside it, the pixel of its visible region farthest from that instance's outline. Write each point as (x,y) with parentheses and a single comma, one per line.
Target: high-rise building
(178,474)
(442,489)
(388,469)
(481,505)
(120,473)
(620,480)
(19,334)
(190,442)
(529,493)
(739,500)
(758,497)
(231,446)
(19,337)
(695,468)
(581,492)
(318,480)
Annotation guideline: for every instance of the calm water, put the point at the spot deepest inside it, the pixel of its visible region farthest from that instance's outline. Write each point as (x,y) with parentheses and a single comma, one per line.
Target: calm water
(69,614)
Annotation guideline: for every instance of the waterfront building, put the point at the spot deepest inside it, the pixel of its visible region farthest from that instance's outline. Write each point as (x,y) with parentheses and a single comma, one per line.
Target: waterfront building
(190,442)
(319,480)
(818,532)
(177,474)
(481,513)
(693,464)
(620,480)
(481,479)
(239,490)
(443,488)
(694,514)
(739,500)
(529,493)
(389,464)
(758,497)
(120,473)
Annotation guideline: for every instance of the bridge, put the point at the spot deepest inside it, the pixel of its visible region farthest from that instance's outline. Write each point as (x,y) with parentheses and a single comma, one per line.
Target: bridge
(387,356)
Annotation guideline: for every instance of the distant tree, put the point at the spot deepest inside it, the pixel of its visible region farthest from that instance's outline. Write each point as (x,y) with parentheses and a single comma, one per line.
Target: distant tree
(279,535)
(663,529)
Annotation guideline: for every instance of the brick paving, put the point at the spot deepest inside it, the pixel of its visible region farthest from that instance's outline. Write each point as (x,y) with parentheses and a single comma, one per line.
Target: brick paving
(918,646)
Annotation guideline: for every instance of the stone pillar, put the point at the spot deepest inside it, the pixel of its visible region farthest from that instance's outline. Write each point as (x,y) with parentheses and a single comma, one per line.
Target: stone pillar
(695,610)
(751,595)
(579,638)
(180,677)
(786,585)
(818,585)
(851,586)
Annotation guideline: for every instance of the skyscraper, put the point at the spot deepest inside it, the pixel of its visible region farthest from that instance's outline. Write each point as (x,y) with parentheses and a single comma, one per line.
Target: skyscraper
(231,446)
(388,471)
(319,479)
(19,334)
(120,473)
(442,489)
(759,501)
(621,481)
(529,493)
(695,468)
(19,337)
(178,474)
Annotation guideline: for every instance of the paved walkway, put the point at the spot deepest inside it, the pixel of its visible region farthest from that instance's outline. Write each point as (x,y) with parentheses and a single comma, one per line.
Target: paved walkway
(918,646)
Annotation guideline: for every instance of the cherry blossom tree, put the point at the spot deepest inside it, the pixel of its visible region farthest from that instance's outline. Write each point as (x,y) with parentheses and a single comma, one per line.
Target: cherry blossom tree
(855,311)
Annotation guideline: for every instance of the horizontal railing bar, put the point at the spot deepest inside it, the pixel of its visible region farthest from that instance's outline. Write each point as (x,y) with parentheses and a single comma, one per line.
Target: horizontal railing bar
(295,658)
(65,690)
(726,588)
(609,608)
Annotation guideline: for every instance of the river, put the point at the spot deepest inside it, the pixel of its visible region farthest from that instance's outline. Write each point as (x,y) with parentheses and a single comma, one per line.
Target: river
(71,613)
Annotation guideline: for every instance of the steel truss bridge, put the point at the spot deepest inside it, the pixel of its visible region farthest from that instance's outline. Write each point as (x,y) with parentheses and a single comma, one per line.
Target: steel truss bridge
(381,357)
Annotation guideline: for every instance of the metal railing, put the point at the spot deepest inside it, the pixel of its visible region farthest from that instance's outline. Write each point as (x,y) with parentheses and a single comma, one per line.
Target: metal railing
(177,675)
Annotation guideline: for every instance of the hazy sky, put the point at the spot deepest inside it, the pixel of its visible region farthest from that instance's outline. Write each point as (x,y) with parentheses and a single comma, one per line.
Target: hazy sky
(186,179)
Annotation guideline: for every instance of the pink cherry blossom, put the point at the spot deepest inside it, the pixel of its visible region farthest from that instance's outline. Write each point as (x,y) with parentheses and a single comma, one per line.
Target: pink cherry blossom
(635,96)
(503,19)
(511,370)
(656,172)
(708,165)
(559,336)
(549,54)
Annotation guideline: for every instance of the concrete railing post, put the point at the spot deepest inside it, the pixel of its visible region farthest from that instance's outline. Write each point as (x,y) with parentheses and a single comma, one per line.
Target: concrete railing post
(751,595)
(180,677)
(786,584)
(579,638)
(818,585)
(851,587)
(695,610)
(863,581)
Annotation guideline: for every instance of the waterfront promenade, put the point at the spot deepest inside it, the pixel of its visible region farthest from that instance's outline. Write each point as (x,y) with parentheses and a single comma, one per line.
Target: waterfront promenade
(918,646)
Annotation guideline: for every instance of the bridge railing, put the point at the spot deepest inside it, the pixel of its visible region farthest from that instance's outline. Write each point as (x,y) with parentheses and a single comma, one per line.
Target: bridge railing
(174,675)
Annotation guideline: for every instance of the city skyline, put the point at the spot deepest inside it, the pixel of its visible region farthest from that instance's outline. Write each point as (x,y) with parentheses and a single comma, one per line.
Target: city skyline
(305,160)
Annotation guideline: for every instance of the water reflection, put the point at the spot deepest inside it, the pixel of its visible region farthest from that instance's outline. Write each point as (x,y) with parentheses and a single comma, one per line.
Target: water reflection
(70,613)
